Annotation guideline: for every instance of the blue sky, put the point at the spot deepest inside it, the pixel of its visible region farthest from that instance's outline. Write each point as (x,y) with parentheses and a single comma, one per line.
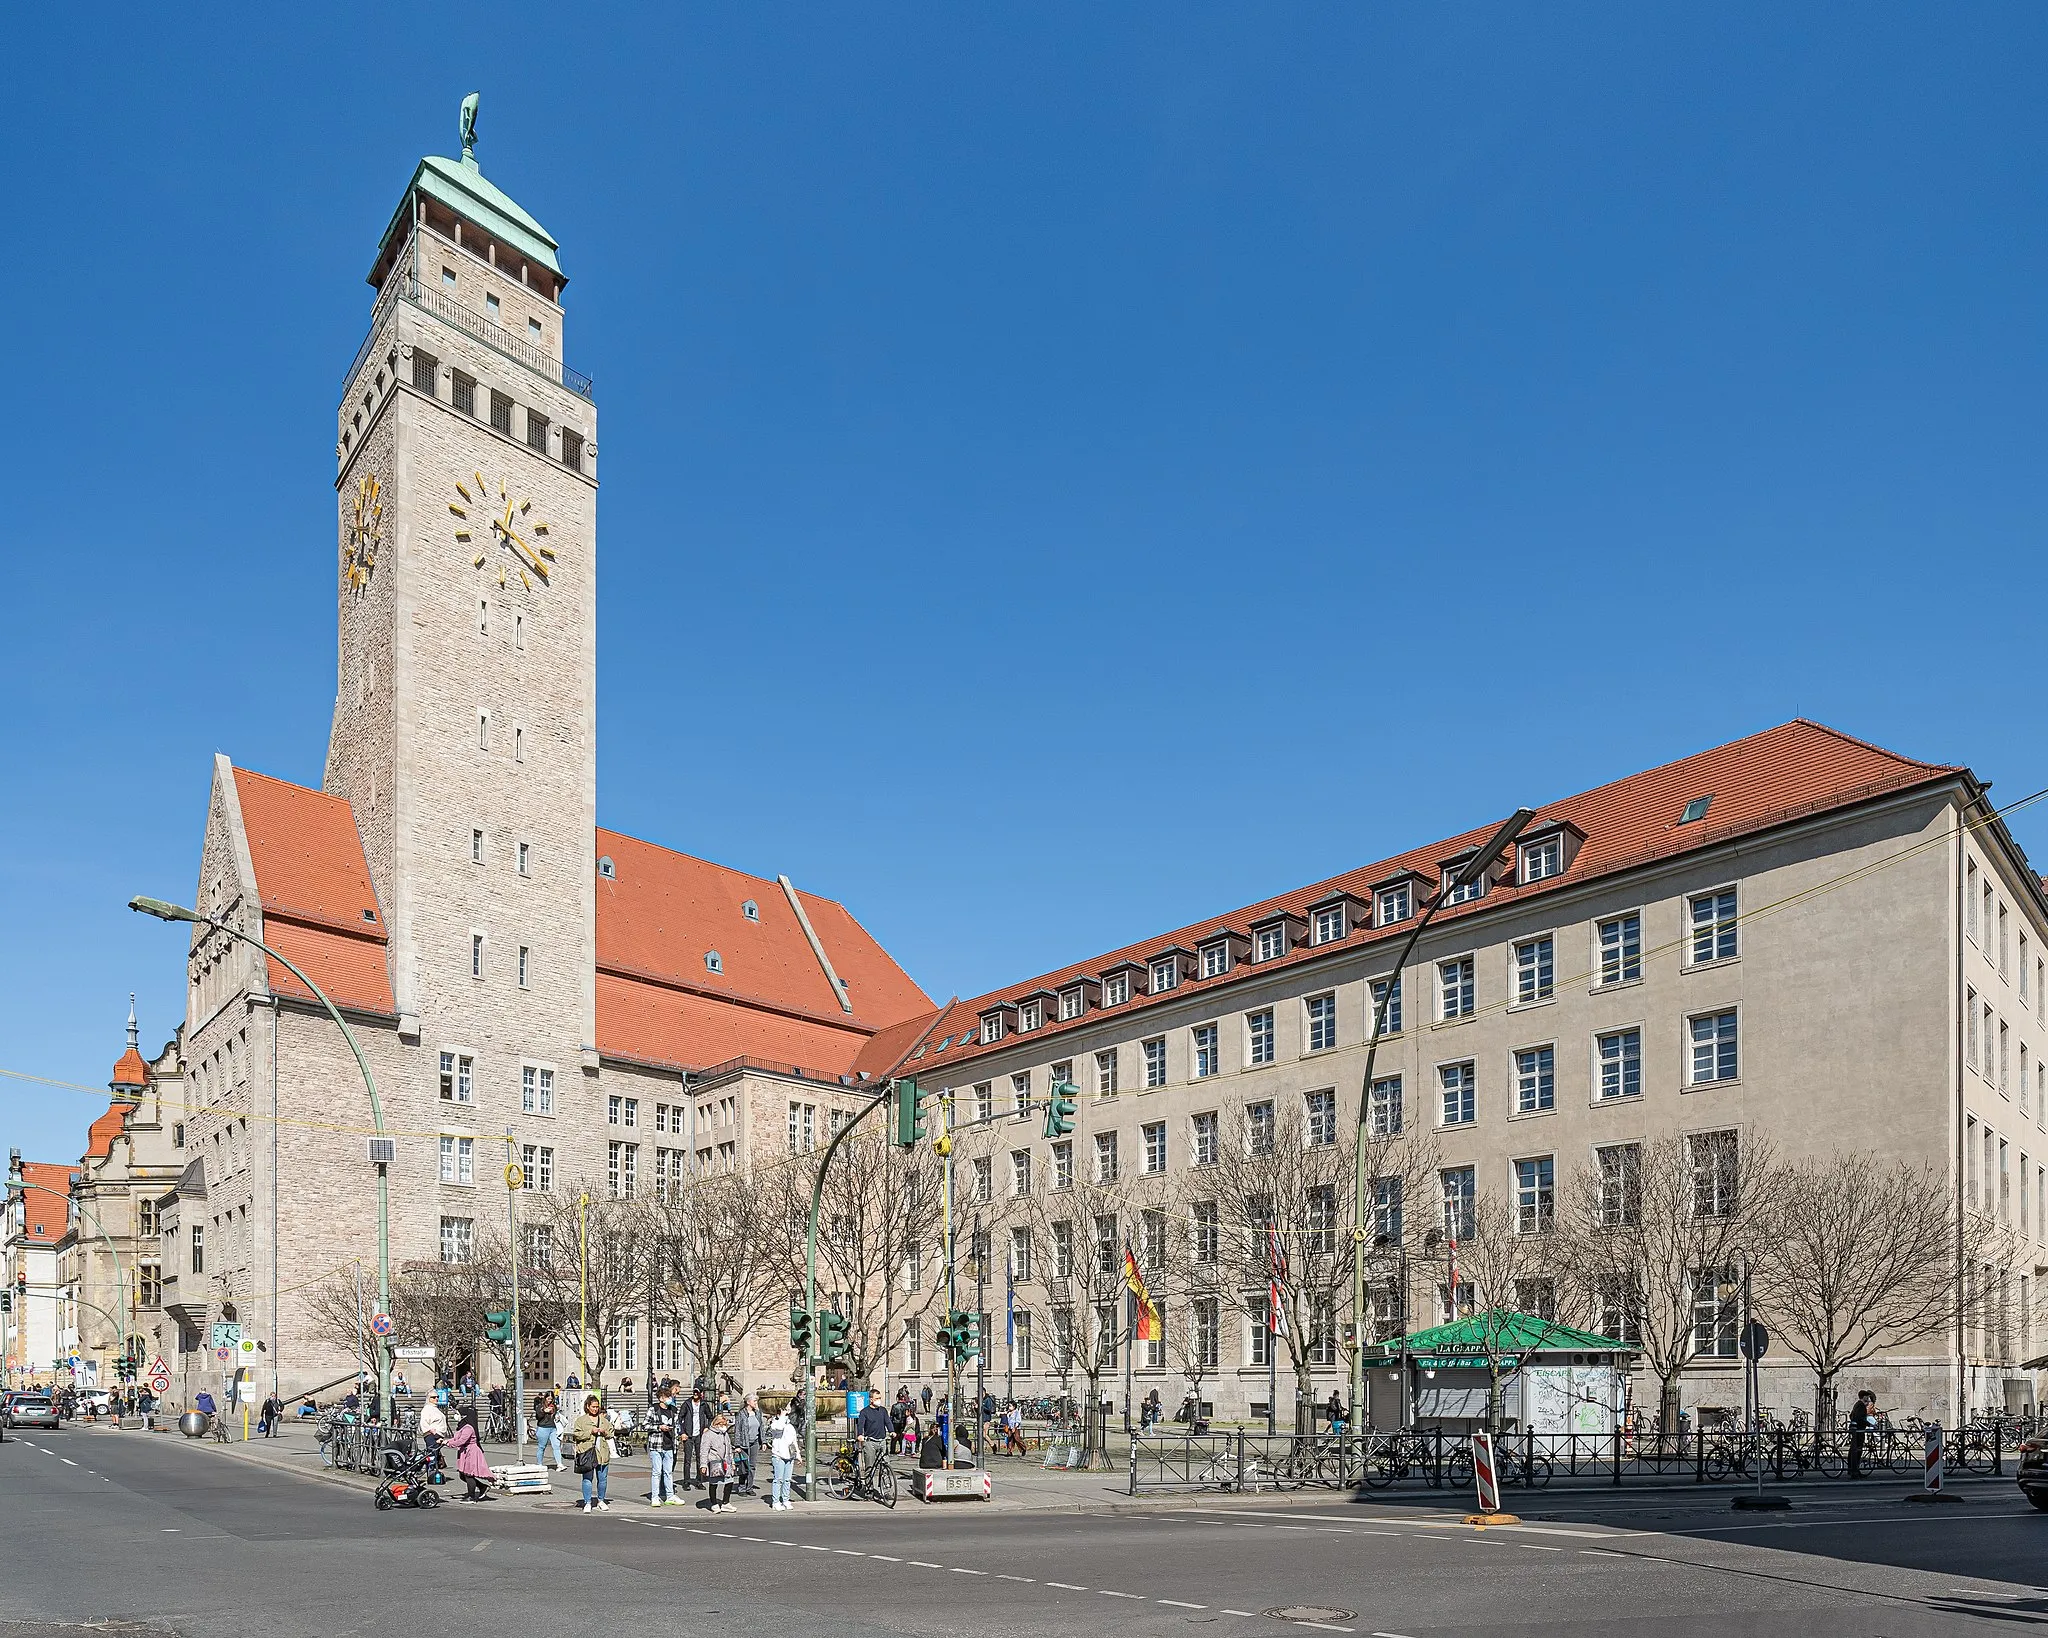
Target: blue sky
(1068,469)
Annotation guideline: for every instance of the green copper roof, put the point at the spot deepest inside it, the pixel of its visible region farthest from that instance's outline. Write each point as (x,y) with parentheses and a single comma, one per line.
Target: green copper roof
(458,184)
(1498,1331)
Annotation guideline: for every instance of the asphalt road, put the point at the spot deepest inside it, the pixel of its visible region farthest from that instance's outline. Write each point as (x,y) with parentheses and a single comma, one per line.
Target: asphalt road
(177,1538)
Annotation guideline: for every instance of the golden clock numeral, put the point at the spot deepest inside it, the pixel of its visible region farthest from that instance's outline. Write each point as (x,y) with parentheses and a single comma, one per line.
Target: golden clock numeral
(462,490)
(525,506)
(479,560)
(540,528)
(546,552)
(462,537)
(528,584)
(458,511)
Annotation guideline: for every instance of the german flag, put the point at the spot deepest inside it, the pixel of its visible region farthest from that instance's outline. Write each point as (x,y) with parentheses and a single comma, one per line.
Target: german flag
(1145,1324)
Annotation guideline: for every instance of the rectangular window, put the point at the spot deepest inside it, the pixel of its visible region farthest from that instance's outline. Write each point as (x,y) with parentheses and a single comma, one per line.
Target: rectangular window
(537,1160)
(1713,1047)
(1713,925)
(518,744)
(1206,1062)
(1461,1096)
(572,449)
(2002,935)
(501,411)
(2023,969)
(1535,1195)
(1542,859)
(1460,1191)
(426,371)
(1392,904)
(1020,1254)
(992,1029)
(1621,949)
(1216,959)
(525,855)
(1970,1026)
(1385,1107)
(1206,1332)
(1029,1016)
(150,1285)
(1328,927)
(1154,1135)
(476,847)
(1070,1003)
(483,730)
(458,1237)
(1458,895)
(1970,898)
(2004,1055)
(1621,1064)
(1259,1041)
(1320,1112)
(1454,984)
(458,1077)
(1535,970)
(984,1101)
(631,1111)
(1165,974)
(803,1128)
(1105,1073)
(1020,1173)
(1391,1001)
(1269,943)
(1258,1122)
(984,1179)
(465,393)
(448,277)
(1063,1164)
(1206,1241)
(1322,1022)
(1063,1250)
(1387,1194)
(1116,990)
(198,1248)
(533,331)
(1714,1312)
(1106,1166)
(1258,1313)
(1535,1080)
(1205,1138)
(525,961)
(1319,1233)
(476,955)
(1107,1260)
(1020,1094)
(1621,1185)
(492,308)
(1155,1061)
(1714,1173)
(536,1090)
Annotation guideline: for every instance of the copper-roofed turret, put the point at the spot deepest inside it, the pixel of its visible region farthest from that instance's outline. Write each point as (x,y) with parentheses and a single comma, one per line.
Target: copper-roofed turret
(131,1074)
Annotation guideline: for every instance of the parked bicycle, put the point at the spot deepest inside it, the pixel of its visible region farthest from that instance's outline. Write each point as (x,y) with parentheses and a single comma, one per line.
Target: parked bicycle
(852,1474)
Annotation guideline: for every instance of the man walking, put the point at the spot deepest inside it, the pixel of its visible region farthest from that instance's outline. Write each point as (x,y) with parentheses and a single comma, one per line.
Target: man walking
(746,1439)
(273,1415)
(689,1430)
(662,1420)
(1859,1429)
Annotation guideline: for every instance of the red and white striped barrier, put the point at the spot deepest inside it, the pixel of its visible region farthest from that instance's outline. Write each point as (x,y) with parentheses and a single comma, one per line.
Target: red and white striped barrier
(1932,1483)
(1484,1474)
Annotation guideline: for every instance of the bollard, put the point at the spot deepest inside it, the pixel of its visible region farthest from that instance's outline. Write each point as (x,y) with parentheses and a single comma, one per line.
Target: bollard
(1933,1471)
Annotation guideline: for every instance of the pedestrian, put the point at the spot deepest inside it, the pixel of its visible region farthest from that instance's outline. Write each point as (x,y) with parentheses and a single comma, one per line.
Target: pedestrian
(872,1425)
(591,1439)
(747,1437)
(1334,1410)
(662,1421)
(547,1414)
(273,1415)
(146,1401)
(926,1396)
(468,1446)
(783,1445)
(433,1430)
(717,1463)
(690,1434)
(1859,1429)
(913,1431)
(1013,1433)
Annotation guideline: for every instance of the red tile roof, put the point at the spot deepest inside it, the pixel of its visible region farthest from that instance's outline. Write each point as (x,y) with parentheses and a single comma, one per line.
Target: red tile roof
(99,1137)
(130,1070)
(1770,778)
(44,1210)
(314,884)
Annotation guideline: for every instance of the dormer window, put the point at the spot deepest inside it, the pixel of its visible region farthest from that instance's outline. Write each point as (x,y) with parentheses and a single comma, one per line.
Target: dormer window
(1328,926)
(751,910)
(1695,810)
(1216,958)
(1029,1016)
(991,1028)
(1542,858)
(606,868)
(1072,1003)
(1392,904)
(1116,989)
(713,962)
(1473,889)
(1269,943)
(1165,974)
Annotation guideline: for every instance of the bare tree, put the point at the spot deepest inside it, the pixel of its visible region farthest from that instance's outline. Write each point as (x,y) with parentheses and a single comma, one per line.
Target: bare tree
(1651,1233)
(1508,1255)
(715,1264)
(588,1256)
(1862,1257)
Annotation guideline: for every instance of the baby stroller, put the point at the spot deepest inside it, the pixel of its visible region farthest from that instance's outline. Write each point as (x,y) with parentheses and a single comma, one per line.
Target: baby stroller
(409,1480)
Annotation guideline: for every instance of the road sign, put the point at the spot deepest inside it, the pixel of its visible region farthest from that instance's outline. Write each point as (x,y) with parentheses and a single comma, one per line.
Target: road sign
(412,1353)
(226,1334)
(157,1368)
(250,1345)
(1755,1339)
(381,1324)
(223,1354)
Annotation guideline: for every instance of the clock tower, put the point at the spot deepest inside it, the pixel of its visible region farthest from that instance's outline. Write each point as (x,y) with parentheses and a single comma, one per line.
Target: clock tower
(464,733)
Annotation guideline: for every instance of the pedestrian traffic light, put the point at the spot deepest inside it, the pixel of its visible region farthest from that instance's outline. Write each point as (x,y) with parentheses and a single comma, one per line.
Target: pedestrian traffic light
(498,1324)
(910,1099)
(1059,1111)
(831,1336)
(800,1331)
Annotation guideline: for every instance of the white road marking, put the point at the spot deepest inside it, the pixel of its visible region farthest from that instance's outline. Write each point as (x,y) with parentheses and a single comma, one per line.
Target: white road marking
(67,1461)
(958,1571)
(1182,1604)
(1390,1635)
(810,1548)
(848,1552)
(1106,1593)
(1599,1552)
(1066,1585)
(1326,1626)
(920,1564)
(480,1546)
(886,1558)
(1537,1547)
(1001,1577)
(1248,1613)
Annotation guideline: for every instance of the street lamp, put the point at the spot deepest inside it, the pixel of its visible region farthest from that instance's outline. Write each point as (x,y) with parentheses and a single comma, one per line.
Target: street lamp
(164,911)
(1469,872)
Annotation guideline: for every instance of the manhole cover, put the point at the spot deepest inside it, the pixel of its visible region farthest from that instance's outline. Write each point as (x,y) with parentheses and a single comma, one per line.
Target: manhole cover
(1310,1612)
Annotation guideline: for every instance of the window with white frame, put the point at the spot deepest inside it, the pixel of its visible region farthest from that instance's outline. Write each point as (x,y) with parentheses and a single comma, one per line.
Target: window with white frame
(1259,1036)
(1621,1064)
(1970,1026)
(1711,917)
(1020,1254)
(1535,970)
(525,966)
(803,1128)
(622,1170)
(1387,1198)
(1714,1313)
(1155,1061)
(1063,1250)
(1319,1111)
(1454,988)
(1216,958)
(1392,904)
(1165,974)
(991,1028)
(1205,1238)
(1381,996)
(984,1179)
(1460,1193)
(1106,1244)
(1383,1107)
(1319,1228)
(1116,989)
(1713,1047)
(1204,1141)
(458,1078)
(1258,1128)
(1542,858)
(1020,1094)
(1970,899)
(458,1239)
(1322,1022)
(1328,926)
(525,856)
(1458,895)
(1205,1338)
(1105,1073)
(458,1159)
(1070,1003)
(1535,1194)
(984,1101)
(1461,1093)
(1107,1169)
(1715,1160)
(476,955)
(1621,948)
(1206,1061)
(1620,1203)
(1029,1016)
(476,847)
(536,1090)
(1063,1073)
(1269,943)
(1020,1173)
(1154,1135)
(1535,1080)
(1063,1164)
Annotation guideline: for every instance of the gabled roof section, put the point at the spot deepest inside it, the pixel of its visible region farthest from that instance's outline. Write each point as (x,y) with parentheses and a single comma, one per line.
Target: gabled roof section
(45,1207)
(99,1137)
(319,908)
(1783,774)
(661,914)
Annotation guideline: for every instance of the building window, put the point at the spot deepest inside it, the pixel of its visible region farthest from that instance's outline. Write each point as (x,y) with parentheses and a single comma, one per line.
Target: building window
(1383,1107)
(1020,1254)
(458,1077)
(198,1248)
(1206,1062)
(1116,990)
(1205,1138)
(1542,859)
(1392,904)
(1714,1158)
(1713,925)
(533,331)
(1070,1003)
(1020,1173)
(1713,1047)
(1460,1188)
(1028,1016)
(1258,1124)
(501,412)
(1155,1061)
(1259,1026)
(1165,974)
(572,449)
(984,1102)
(491,308)
(1382,996)
(1713,1314)
(1621,1064)
(1535,1080)
(146,1218)
(1322,1022)
(1154,1135)
(1621,1186)
(476,955)
(622,1169)
(426,371)
(1535,970)
(803,1128)
(465,393)
(524,854)
(1063,1165)
(483,730)
(458,1159)
(1695,811)
(537,1162)
(1621,949)
(984,1179)
(1461,1093)
(150,1285)
(1454,982)
(1020,1094)
(1258,1314)
(1970,1025)
(1106,1167)
(525,957)
(476,847)
(1216,958)
(1471,890)
(1535,1195)
(458,1237)
(1206,1238)
(1270,943)
(1320,1109)
(1206,1332)
(1386,1207)
(1328,927)
(991,1029)
(518,744)
(536,1090)
(1105,1073)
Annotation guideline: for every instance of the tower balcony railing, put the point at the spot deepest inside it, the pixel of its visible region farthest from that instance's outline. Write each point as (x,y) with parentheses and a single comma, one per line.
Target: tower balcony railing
(404,285)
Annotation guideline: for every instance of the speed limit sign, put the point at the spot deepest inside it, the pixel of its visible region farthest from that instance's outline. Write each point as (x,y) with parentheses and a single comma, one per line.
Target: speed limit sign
(515,1176)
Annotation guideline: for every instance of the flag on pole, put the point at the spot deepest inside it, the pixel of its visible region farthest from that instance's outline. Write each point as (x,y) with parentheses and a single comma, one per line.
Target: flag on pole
(1276,1264)
(1145,1318)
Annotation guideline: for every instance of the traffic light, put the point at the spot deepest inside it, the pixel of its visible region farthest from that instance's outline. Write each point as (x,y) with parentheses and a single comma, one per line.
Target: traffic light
(498,1324)
(800,1331)
(831,1336)
(910,1099)
(6,1301)
(1059,1110)
(969,1332)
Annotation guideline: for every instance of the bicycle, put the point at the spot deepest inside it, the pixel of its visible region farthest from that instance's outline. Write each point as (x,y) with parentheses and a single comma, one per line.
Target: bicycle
(855,1474)
(1511,1468)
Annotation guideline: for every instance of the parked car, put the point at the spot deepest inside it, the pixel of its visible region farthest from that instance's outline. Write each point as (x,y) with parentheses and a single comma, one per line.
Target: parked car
(95,1402)
(2033,1470)
(32,1410)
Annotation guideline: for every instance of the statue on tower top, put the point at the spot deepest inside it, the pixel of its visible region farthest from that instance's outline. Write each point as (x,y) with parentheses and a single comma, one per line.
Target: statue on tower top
(468,127)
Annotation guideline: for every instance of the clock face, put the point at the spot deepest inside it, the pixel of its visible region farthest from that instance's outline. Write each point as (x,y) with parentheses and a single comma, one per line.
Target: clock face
(363,534)
(492,520)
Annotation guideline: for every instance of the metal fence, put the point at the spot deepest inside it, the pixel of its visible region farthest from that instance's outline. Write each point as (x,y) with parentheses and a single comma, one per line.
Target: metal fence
(1435,1458)
(358,1447)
